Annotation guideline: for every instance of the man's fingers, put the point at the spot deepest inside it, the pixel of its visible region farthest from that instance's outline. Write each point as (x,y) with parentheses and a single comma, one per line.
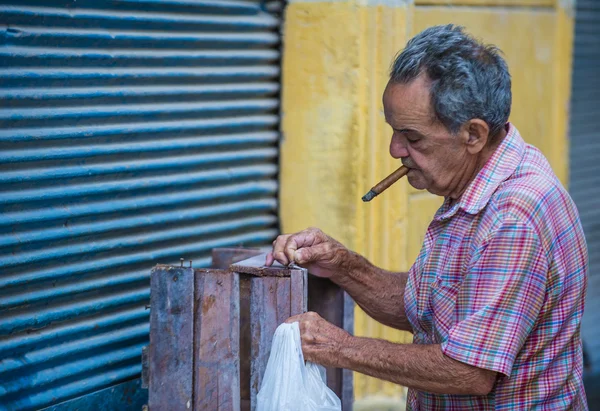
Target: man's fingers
(291,245)
(309,315)
(270,259)
(312,254)
(295,318)
(301,241)
(278,247)
(286,246)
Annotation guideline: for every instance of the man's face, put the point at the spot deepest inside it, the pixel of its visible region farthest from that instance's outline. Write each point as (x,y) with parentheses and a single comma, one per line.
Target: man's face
(437,159)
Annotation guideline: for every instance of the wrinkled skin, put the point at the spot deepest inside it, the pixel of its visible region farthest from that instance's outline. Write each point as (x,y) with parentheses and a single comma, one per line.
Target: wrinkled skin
(440,162)
(312,249)
(319,337)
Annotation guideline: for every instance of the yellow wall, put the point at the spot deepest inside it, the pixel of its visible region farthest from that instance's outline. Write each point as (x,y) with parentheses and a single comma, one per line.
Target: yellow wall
(335,141)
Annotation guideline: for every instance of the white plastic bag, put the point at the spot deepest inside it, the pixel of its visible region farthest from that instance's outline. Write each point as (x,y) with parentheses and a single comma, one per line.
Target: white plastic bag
(288,383)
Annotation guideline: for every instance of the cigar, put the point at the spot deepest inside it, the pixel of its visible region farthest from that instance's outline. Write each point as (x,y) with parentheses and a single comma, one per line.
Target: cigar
(385,183)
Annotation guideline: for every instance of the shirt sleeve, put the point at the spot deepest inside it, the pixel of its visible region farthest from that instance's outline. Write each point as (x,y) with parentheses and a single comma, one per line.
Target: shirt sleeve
(499,299)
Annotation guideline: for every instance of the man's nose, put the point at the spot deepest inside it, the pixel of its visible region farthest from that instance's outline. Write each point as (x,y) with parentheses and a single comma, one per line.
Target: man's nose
(398,147)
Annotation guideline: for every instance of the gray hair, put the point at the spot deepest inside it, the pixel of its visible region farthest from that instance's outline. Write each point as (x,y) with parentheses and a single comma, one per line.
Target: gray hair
(469,79)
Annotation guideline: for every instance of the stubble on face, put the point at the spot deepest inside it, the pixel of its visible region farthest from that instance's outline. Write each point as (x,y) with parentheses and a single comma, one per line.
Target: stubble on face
(422,143)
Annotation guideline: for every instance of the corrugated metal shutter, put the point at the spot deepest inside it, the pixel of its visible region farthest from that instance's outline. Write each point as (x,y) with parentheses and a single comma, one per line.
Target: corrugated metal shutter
(584,182)
(132,132)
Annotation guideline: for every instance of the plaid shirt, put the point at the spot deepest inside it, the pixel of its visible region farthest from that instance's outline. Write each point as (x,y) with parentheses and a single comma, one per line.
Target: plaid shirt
(500,284)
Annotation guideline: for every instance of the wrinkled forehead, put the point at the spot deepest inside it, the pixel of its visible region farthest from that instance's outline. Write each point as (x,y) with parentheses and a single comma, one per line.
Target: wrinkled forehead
(408,102)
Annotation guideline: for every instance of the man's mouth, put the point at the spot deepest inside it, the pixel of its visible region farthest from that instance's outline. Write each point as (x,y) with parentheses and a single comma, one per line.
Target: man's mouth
(407,165)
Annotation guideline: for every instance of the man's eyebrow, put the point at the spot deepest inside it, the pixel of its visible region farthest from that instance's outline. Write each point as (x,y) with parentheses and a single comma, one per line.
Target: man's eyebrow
(404,130)
(400,130)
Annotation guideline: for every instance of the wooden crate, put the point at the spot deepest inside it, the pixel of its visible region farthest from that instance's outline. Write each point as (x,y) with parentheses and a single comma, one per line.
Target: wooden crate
(211,330)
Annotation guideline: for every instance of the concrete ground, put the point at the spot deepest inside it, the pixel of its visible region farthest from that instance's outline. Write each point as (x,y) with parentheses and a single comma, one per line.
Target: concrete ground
(591,381)
(592,390)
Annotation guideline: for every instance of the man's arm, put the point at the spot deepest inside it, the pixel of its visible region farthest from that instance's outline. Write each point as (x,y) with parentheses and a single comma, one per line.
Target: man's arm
(422,367)
(381,294)
(378,292)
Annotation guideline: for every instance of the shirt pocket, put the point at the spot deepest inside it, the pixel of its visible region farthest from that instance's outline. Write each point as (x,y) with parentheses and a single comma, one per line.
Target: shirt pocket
(446,280)
(445,261)
(442,303)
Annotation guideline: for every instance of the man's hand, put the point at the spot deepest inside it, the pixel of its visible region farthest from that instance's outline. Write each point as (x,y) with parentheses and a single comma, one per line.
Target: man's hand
(311,249)
(321,340)
(420,366)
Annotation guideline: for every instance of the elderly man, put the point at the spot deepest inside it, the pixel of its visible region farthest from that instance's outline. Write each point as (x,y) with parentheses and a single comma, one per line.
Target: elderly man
(495,298)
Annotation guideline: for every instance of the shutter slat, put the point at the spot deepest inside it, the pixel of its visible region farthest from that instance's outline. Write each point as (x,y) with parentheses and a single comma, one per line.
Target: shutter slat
(584,184)
(132,132)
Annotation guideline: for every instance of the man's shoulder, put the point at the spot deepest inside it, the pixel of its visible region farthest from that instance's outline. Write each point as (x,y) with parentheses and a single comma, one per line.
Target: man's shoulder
(534,195)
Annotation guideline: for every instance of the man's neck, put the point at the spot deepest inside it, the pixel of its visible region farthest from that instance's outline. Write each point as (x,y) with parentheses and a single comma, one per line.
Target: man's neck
(482,159)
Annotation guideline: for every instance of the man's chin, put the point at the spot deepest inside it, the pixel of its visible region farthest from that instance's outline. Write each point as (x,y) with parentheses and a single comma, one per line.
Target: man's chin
(415,180)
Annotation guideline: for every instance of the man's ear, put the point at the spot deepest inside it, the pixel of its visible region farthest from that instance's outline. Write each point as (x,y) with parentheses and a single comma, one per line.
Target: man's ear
(476,134)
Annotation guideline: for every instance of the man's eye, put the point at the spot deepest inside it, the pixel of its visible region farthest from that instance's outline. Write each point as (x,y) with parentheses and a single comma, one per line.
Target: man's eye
(412,139)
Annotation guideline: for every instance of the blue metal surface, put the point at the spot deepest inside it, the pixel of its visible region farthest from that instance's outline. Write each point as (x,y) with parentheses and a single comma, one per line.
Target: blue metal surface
(584,152)
(132,132)
(121,397)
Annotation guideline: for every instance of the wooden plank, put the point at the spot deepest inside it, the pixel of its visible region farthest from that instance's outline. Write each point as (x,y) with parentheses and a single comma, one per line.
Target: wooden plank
(245,340)
(264,319)
(299,291)
(145,374)
(223,257)
(217,341)
(256,266)
(260,316)
(334,305)
(170,353)
(272,301)
(347,391)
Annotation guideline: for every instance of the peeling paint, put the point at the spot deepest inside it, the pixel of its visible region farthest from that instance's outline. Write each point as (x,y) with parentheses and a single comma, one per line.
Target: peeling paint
(336,144)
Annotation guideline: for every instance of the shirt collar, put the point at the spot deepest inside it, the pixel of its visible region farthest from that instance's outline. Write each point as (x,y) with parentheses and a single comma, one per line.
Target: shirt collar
(500,166)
